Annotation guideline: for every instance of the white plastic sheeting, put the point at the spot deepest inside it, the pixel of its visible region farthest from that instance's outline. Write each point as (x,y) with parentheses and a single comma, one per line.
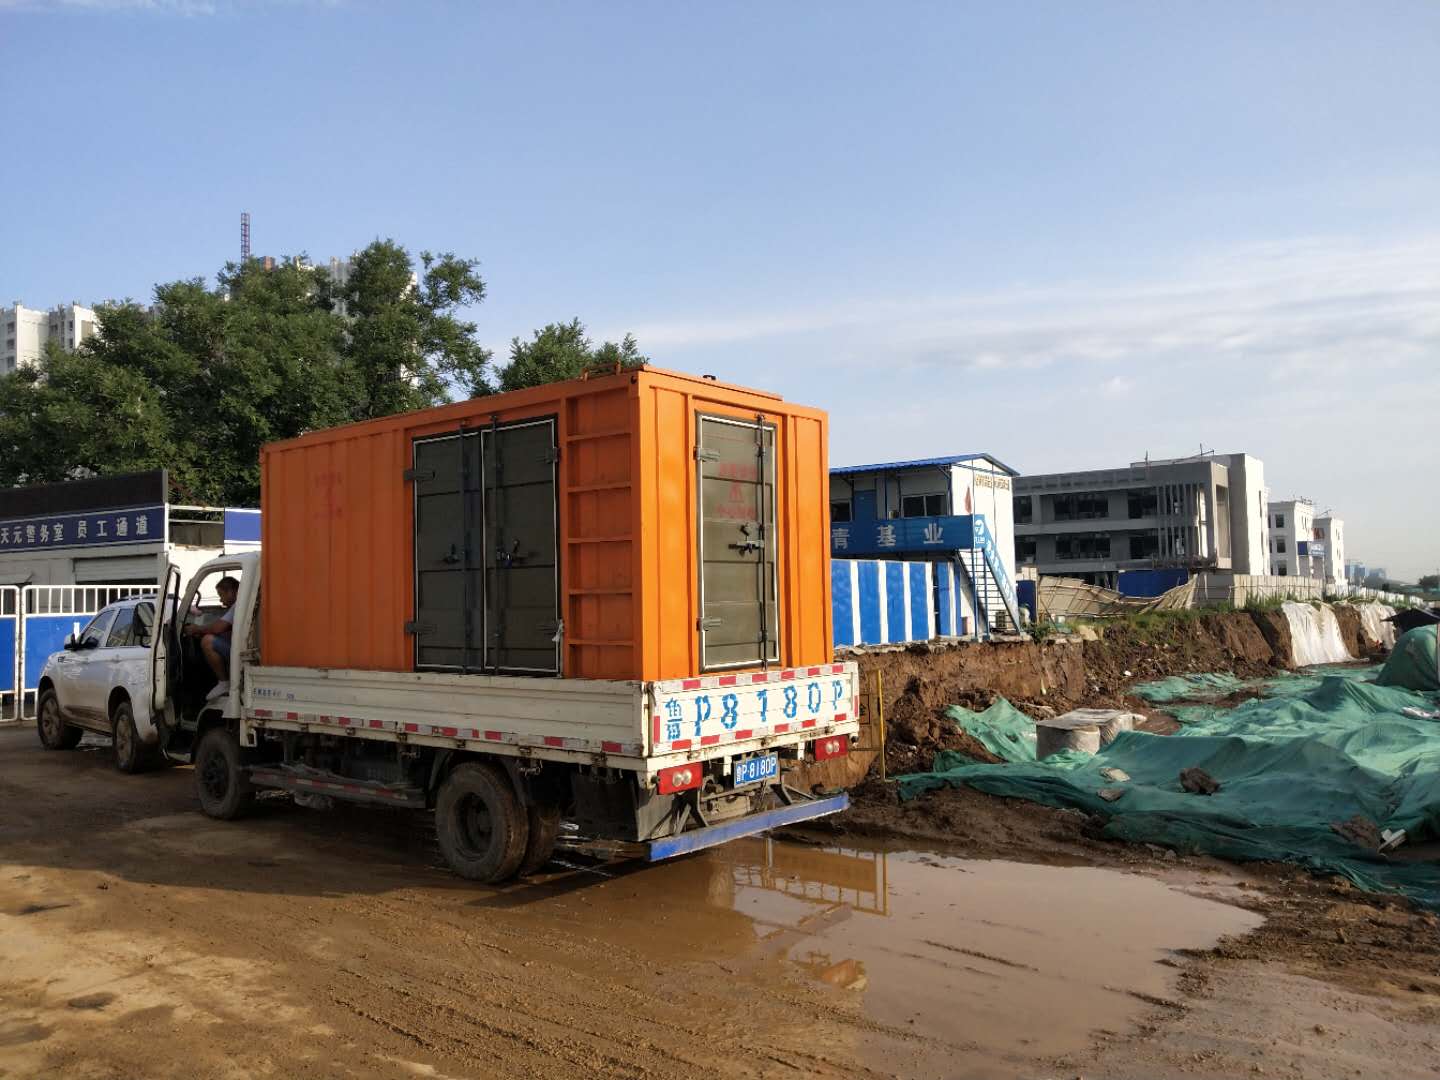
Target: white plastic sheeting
(1315,635)
(1372,618)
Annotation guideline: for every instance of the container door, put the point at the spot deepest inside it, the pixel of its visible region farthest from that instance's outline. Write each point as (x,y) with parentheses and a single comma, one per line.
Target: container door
(522,580)
(739,594)
(449,599)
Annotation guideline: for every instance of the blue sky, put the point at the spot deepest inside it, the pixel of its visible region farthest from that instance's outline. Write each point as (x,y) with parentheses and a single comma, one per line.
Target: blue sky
(1066,234)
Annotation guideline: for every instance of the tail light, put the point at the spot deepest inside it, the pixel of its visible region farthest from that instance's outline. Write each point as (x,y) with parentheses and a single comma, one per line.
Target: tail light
(681,778)
(833,746)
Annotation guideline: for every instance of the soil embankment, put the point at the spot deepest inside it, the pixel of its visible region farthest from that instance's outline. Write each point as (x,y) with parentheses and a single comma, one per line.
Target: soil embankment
(1094,668)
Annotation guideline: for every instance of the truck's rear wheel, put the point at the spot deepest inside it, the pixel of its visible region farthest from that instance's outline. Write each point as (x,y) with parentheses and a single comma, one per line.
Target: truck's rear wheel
(481,825)
(220,781)
(54,733)
(130,754)
(544,831)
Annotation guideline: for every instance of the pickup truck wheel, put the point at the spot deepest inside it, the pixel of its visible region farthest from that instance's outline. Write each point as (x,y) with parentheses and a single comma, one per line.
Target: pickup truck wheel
(481,825)
(130,755)
(55,734)
(220,782)
(544,830)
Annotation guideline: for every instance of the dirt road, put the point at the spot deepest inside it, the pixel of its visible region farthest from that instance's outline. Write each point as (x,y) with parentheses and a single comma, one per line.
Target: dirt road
(138,938)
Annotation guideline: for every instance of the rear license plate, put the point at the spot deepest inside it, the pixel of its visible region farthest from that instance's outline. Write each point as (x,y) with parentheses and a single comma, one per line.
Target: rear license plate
(753,770)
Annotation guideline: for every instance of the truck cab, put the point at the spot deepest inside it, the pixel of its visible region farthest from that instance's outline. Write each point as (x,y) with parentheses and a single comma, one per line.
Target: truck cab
(180,680)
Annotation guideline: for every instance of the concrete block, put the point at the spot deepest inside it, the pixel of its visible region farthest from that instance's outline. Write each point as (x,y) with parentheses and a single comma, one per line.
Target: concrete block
(1084,730)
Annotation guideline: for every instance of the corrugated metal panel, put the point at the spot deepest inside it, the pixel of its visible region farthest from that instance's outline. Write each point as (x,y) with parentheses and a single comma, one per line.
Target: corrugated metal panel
(885,602)
(337,527)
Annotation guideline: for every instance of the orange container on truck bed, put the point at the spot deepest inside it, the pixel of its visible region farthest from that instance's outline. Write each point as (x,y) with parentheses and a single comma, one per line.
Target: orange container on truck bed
(639,525)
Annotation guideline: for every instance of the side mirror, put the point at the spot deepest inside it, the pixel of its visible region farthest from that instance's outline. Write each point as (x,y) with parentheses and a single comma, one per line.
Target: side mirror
(70,642)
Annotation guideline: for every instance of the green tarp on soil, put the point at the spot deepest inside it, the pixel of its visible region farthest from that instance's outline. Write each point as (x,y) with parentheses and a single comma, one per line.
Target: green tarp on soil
(1412,661)
(1002,729)
(1204,687)
(1288,766)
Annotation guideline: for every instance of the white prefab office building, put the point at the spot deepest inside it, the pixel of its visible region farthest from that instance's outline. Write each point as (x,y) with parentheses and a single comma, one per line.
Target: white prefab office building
(957,509)
(113,530)
(69,549)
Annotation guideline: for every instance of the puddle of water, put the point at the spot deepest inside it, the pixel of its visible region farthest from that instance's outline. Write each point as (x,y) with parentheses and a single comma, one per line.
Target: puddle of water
(1014,958)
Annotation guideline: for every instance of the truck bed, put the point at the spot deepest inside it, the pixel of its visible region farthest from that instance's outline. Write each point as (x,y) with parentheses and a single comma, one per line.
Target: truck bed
(645,726)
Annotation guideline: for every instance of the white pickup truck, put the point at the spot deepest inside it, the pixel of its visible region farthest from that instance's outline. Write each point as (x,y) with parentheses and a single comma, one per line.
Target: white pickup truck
(648,769)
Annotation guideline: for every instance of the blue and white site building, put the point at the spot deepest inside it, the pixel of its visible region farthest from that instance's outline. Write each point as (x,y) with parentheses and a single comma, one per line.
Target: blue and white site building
(955,513)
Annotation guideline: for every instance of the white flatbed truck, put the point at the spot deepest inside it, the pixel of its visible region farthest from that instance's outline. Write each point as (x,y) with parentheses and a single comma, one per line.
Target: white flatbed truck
(649,769)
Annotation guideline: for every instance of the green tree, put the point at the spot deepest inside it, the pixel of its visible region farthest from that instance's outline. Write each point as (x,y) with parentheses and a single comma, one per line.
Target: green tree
(202,380)
(406,345)
(1429,583)
(562,351)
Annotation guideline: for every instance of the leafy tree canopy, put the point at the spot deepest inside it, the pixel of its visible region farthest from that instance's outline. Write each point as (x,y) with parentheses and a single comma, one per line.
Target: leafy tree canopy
(198,382)
(562,351)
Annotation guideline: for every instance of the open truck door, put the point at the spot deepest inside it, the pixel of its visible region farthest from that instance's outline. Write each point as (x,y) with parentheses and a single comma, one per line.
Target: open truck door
(165,660)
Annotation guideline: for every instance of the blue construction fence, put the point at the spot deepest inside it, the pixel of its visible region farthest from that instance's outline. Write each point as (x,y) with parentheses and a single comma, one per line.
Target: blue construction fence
(1149,583)
(885,602)
(34,622)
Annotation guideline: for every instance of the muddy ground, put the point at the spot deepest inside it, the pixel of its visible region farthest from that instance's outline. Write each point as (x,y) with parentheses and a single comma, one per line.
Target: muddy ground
(139,939)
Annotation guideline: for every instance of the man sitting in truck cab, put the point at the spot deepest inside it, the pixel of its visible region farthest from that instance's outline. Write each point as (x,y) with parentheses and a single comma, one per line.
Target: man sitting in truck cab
(215,637)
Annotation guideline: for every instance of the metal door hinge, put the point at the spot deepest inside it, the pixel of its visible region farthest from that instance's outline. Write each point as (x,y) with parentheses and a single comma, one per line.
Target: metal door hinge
(712,623)
(418,628)
(551,455)
(419,474)
(704,454)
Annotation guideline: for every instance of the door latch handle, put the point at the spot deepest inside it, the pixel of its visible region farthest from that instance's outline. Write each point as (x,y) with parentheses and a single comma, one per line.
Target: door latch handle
(453,557)
(747,546)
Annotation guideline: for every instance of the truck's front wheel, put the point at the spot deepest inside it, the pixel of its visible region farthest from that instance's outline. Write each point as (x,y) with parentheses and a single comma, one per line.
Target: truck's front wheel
(481,825)
(220,780)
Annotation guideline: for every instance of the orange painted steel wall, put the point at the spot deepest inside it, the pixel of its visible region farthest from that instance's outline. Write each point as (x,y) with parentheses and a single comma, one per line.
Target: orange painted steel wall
(337,527)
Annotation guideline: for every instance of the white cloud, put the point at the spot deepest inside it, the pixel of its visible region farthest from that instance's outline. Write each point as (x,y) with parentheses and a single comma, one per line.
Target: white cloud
(1117,386)
(1285,308)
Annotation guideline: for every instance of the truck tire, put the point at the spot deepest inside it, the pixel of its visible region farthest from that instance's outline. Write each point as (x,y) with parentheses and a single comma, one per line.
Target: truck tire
(481,825)
(544,830)
(54,733)
(131,756)
(224,790)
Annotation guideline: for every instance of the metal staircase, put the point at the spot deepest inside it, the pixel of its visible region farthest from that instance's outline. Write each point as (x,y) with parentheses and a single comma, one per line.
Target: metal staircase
(993,596)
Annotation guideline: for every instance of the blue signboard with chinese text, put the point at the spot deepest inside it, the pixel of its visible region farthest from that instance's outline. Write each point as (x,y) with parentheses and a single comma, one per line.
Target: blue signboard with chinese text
(952,533)
(103,528)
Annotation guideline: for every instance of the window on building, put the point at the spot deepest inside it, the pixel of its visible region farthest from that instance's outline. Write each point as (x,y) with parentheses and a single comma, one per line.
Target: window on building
(1282,570)
(922,506)
(840,511)
(1025,550)
(1083,507)
(1141,504)
(1024,510)
(1280,545)
(1144,546)
(1279,521)
(1082,547)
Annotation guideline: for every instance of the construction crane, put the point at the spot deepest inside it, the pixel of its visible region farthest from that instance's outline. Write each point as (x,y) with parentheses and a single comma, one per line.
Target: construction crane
(244,237)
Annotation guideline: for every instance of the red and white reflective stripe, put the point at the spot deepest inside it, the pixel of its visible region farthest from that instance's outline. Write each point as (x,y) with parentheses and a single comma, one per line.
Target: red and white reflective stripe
(447,731)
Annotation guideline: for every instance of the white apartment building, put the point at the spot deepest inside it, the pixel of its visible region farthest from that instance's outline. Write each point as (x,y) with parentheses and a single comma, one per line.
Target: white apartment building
(24,332)
(1304,544)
